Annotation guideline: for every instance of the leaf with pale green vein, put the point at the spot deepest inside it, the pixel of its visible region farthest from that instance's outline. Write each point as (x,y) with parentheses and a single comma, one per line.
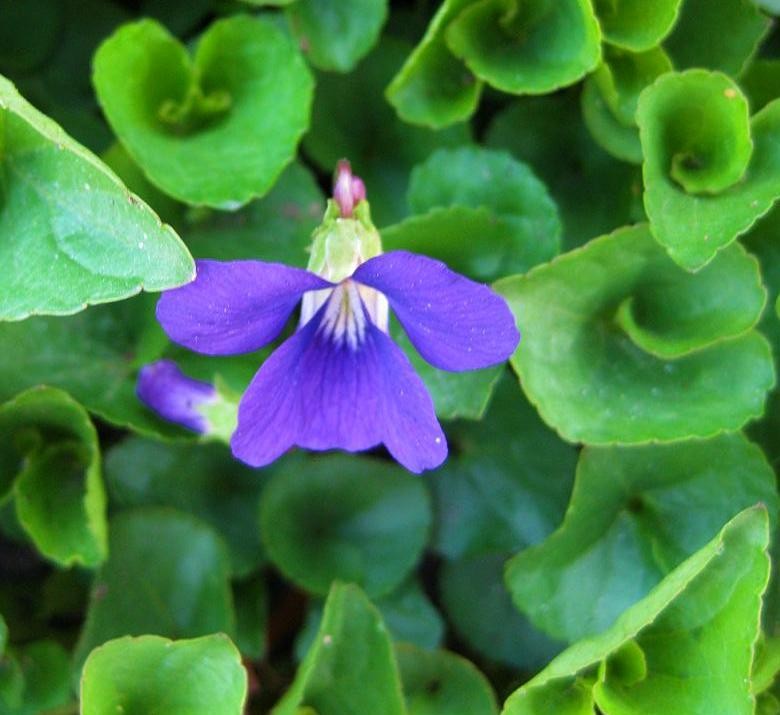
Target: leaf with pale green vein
(355,519)
(351,118)
(475,177)
(709,171)
(506,485)
(201,479)
(336,34)
(442,683)
(629,523)
(455,394)
(49,445)
(491,625)
(350,668)
(721,35)
(622,345)
(74,234)
(167,573)
(201,676)
(528,46)
(685,648)
(611,94)
(215,129)
(434,88)
(636,25)
(595,192)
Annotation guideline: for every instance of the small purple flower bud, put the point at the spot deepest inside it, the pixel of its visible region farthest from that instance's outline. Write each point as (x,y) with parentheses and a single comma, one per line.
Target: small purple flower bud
(348,190)
(174,396)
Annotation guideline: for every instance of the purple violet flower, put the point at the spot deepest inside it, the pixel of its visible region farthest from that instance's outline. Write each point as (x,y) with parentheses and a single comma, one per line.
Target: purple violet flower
(339,381)
(174,396)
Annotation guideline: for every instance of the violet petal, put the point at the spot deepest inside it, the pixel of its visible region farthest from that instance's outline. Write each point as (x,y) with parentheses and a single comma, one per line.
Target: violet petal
(454,322)
(235,306)
(319,395)
(174,396)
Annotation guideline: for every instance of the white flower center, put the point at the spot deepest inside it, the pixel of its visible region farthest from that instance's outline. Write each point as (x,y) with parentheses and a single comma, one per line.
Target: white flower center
(347,308)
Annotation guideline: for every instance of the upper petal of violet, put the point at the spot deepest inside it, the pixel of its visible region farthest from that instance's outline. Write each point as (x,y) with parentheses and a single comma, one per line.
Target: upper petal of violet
(318,392)
(234,307)
(455,323)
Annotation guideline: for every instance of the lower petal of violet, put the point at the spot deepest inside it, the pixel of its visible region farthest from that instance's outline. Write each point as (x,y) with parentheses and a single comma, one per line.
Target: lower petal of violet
(318,394)
(174,396)
(455,323)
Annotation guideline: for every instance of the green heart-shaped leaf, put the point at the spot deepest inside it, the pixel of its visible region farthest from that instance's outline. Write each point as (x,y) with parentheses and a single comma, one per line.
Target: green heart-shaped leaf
(60,500)
(703,186)
(339,518)
(685,648)
(476,178)
(350,667)
(201,479)
(595,192)
(629,523)
(611,94)
(434,88)
(166,573)
(217,129)
(202,676)
(636,25)
(442,683)
(721,35)
(507,482)
(491,625)
(71,230)
(335,34)
(527,46)
(621,345)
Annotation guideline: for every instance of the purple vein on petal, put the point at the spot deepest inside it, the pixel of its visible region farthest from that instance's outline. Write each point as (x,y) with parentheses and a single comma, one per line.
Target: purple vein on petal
(455,323)
(234,307)
(320,394)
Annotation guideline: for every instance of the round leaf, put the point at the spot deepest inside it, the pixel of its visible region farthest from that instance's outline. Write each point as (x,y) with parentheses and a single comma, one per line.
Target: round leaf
(442,683)
(217,129)
(721,35)
(635,24)
(597,383)
(629,523)
(202,676)
(360,520)
(335,34)
(203,480)
(491,624)
(167,573)
(476,177)
(434,88)
(703,187)
(528,46)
